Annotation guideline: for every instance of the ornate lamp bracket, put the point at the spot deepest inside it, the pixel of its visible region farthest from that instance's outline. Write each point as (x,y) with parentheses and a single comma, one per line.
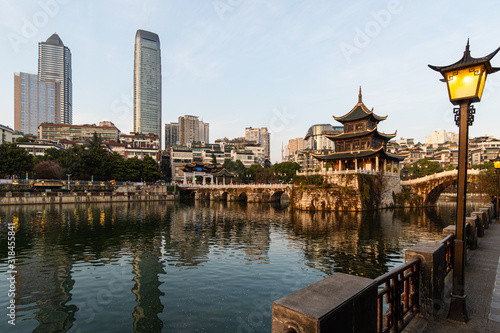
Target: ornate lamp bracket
(471,111)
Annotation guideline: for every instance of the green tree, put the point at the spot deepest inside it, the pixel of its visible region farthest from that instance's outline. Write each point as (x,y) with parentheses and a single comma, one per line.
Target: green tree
(117,167)
(286,170)
(422,168)
(214,161)
(485,166)
(14,160)
(150,169)
(229,165)
(241,171)
(134,169)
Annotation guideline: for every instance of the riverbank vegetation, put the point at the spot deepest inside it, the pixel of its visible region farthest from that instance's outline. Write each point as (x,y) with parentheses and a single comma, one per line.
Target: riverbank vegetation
(84,162)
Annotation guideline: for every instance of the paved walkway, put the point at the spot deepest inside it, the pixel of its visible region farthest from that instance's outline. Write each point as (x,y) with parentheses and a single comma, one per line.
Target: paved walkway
(482,287)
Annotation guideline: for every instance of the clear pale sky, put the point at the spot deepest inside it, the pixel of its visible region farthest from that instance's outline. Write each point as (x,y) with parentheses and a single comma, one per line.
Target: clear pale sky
(282,64)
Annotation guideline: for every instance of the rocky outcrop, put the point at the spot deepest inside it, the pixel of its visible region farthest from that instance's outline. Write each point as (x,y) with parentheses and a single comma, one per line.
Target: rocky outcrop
(353,192)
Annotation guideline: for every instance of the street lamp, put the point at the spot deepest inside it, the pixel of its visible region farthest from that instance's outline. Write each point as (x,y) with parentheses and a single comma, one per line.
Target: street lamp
(69,175)
(496,164)
(465,81)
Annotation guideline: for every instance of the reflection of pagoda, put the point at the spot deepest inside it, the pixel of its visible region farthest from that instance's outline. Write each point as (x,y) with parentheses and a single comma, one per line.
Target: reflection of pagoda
(361,145)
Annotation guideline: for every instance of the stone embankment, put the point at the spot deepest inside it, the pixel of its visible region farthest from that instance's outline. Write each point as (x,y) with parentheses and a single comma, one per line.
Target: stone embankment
(94,197)
(348,191)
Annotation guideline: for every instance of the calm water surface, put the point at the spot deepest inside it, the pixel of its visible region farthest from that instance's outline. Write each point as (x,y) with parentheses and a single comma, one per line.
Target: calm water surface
(205,267)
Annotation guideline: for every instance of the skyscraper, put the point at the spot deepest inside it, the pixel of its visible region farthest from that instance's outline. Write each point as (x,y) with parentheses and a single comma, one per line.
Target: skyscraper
(35,102)
(54,65)
(147,83)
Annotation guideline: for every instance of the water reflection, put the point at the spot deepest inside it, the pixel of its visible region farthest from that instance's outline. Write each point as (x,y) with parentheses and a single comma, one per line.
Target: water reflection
(201,267)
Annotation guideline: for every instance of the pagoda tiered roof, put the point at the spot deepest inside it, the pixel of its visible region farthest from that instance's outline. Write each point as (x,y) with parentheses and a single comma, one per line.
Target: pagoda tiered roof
(206,168)
(366,153)
(359,111)
(361,134)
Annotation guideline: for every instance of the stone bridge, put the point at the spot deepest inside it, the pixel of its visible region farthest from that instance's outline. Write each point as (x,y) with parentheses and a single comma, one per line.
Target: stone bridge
(244,192)
(431,187)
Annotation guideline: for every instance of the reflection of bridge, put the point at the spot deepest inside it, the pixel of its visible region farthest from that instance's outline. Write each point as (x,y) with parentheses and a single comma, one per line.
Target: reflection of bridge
(430,187)
(239,192)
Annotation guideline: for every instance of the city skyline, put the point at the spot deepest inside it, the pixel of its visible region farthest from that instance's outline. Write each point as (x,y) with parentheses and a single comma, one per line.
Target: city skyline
(281,65)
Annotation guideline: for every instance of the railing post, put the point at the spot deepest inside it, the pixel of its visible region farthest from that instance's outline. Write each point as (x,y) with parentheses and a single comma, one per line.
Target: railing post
(487,215)
(431,282)
(338,303)
(473,221)
(481,217)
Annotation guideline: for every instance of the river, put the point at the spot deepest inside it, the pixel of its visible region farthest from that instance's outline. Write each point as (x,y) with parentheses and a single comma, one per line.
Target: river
(200,267)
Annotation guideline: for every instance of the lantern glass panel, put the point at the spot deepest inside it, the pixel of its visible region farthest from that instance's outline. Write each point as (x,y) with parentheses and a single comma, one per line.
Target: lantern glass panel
(496,164)
(467,83)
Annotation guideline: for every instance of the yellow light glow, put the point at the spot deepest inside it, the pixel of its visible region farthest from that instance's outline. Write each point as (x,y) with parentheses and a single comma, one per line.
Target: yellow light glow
(467,83)
(496,164)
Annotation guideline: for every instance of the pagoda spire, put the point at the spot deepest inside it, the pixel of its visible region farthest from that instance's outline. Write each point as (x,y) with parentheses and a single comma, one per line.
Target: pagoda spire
(360,96)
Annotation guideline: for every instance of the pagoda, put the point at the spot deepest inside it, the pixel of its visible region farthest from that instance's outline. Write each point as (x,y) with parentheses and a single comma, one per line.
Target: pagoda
(361,146)
(202,170)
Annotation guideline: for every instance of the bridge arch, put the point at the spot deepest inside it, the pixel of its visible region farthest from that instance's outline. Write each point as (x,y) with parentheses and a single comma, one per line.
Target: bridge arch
(242,196)
(434,193)
(276,197)
(223,196)
(429,188)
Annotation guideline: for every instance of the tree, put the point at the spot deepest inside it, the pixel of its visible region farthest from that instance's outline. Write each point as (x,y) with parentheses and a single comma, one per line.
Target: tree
(422,168)
(487,182)
(229,165)
(485,166)
(134,169)
(214,161)
(118,167)
(286,170)
(150,169)
(14,160)
(48,170)
(240,170)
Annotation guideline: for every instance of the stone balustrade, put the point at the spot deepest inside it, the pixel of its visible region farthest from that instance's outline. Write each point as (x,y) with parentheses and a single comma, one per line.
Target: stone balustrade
(346,303)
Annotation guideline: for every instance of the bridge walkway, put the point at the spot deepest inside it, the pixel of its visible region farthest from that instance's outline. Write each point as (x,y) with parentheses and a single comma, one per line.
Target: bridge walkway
(482,279)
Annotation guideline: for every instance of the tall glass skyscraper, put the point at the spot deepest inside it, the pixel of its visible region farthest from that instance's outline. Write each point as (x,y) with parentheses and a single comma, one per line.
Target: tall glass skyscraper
(35,102)
(147,83)
(54,65)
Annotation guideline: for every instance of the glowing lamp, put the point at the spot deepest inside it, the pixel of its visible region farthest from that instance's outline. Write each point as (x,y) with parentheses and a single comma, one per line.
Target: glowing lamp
(496,162)
(466,78)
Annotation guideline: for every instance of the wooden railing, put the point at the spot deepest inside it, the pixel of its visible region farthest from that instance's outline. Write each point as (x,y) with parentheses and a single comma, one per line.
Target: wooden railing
(400,289)
(449,252)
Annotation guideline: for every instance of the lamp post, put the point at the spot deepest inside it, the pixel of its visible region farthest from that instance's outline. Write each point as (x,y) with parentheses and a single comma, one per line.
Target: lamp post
(496,164)
(465,81)
(69,175)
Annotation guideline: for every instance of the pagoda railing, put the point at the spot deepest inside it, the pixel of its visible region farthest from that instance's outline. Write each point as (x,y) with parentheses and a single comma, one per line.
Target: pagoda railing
(325,172)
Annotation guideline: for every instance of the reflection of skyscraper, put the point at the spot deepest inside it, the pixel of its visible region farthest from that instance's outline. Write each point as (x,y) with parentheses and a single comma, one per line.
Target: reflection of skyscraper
(147,268)
(147,83)
(54,65)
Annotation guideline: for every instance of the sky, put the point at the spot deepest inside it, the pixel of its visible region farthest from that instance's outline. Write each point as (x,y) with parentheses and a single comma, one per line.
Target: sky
(281,64)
